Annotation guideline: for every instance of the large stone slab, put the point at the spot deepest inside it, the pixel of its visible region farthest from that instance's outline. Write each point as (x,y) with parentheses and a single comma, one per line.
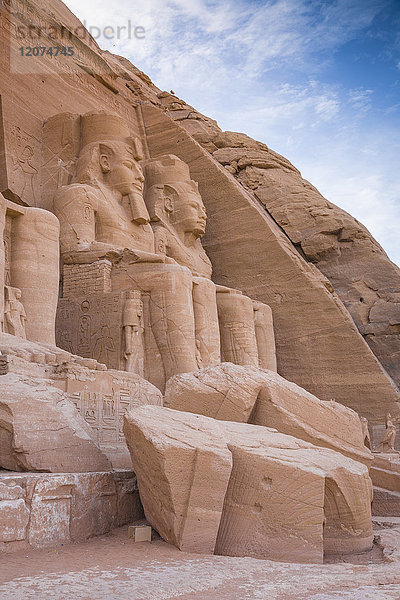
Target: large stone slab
(41,430)
(227,392)
(286,499)
(183,466)
(238,393)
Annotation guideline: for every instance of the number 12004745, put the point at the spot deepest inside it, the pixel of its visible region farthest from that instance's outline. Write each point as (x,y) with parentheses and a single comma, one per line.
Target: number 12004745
(46,51)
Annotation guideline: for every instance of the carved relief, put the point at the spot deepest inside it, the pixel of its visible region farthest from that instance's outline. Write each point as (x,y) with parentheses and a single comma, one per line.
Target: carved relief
(23,169)
(91,327)
(61,139)
(7,251)
(14,312)
(387,444)
(132,323)
(105,412)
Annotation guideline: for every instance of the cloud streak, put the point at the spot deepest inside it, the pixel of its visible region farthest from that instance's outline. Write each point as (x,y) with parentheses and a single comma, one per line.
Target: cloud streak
(262,67)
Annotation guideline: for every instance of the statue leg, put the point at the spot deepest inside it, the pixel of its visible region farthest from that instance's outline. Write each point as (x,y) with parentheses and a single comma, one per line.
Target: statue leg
(171,310)
(206,321)
(236,323)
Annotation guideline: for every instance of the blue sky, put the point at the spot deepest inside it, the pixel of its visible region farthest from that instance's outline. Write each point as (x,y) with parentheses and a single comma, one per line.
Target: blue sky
(316,80)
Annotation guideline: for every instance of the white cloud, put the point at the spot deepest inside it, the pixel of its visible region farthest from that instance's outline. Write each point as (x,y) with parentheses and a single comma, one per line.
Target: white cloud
(258,67)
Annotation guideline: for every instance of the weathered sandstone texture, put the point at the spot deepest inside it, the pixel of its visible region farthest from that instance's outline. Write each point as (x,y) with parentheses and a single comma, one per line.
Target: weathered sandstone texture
(183,467)
(286,499)
(48,161)
(280,489)
(106,185)
(41,430)
(46,510)
(236,393)
(357,267)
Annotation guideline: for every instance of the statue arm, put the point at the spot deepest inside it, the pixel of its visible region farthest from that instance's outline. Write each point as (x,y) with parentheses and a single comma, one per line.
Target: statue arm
(75,208)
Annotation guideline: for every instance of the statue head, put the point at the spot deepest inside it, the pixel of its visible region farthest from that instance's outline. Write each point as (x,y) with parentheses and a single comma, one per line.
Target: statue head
(109,154)
(173,198)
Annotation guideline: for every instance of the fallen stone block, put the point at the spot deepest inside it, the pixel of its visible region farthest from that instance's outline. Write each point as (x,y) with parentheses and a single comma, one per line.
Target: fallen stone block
(241,393)
(183,466)
(227,392)
(289,500)
(41,430)
(244,490)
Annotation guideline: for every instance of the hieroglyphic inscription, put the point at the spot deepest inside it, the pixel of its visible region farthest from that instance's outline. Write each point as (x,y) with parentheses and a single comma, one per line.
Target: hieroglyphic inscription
(91,327)
(105,412)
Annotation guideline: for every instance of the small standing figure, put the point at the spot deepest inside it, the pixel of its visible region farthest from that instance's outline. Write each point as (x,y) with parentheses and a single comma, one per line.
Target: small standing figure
(14,312)
(365,430)
(388,441)
(133,333)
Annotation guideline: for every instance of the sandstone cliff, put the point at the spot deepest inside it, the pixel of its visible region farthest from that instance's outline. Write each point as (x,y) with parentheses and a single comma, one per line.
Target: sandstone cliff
(270,233)
(361,273)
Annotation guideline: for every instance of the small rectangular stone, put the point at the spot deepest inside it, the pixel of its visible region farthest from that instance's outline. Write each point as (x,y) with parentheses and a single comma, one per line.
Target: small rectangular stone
(140,533)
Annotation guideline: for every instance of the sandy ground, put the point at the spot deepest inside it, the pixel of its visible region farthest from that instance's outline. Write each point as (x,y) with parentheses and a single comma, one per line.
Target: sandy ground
(114,567)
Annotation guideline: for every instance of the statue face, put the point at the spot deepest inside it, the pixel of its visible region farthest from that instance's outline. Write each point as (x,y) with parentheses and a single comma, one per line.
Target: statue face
(189,214)
(124,173)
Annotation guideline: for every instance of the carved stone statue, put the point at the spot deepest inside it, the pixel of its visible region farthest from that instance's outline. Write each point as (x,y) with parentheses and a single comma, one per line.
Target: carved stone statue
(132,323)
(14,312)
(229,325)
(103,215)
(388,441)
(366,435)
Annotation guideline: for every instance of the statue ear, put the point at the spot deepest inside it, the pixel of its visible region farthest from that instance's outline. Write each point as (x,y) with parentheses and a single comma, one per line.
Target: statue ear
(104,163)
(104,158)
(168,192)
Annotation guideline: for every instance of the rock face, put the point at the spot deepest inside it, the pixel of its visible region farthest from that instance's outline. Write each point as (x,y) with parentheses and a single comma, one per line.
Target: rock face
(41,430)
(264,493)
(314,333)
(236,393)
(360,272)
(43,510)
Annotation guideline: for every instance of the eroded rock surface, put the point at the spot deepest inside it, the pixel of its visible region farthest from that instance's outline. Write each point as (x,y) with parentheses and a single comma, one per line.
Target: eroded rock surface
(41,430)
(237,393)
(280,493)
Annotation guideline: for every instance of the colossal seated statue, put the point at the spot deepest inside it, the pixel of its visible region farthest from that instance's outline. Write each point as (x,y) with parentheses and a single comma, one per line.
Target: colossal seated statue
(103,219)
(29,264)
(109,247)
(229,325)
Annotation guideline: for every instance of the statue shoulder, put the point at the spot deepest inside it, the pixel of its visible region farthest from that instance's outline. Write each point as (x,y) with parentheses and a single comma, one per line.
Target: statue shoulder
(73,194)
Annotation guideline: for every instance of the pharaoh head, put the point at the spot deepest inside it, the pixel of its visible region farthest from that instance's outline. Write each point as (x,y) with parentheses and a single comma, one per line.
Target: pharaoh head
(173,198)
(109,155)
